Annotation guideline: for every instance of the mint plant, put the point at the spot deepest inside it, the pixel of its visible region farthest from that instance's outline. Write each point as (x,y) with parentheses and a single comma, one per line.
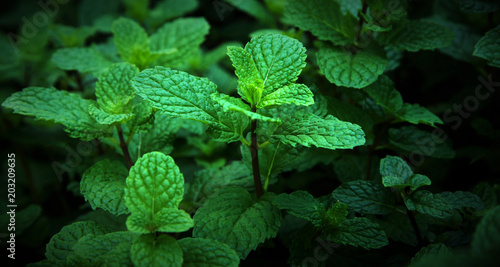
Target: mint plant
(243,133)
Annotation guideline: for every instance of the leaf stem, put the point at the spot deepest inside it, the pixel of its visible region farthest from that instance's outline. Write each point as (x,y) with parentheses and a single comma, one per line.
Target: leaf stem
(124,147)
(255,158)
(420,241)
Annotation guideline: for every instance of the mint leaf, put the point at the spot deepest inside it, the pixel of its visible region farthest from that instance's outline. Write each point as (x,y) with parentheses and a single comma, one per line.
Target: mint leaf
(414,113)
(103,186)
(425,202)
(279,59)
(155,188)
(335,216)
(62,107)
(236,104)
(395,172)
(105,118)
(232,217)
(207,252)
(485,241)
(253,8)
(151,250)
(360,232)
(432,250)
(479,6)
(169,9)
(323,18)
(488,47)
(132,41)
(311,130)
(297,94)
(460,200)
(418,181)
(385,94)
(82,59)
(178,40)
(113,89)
(61,244)
(182,95)
(415,35)
(303,205)
(416,141)
(356,70)
(365,197)
(250,84)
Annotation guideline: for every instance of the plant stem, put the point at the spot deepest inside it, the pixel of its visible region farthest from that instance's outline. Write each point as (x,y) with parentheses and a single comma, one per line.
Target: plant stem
(124,147)
(361,21)
(255,158)
(420,241)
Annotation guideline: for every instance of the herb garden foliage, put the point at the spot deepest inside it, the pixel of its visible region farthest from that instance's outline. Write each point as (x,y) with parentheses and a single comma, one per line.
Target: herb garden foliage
(309,155)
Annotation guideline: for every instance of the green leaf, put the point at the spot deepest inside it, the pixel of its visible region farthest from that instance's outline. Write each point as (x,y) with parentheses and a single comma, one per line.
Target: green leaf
(395,172)
(279,59)
(62,107)
(168,220)
(297,94)
(385,94)
(323,18)
(418,181)
(365,197)
(250,84)
(414,113)
(360,232)
(169,9)
(105,118)
(103,186)
(488,47)
(82,59)
(311,130)
(251,7)
(180,94)
(236,104)
(303,205)
(132,41)
(61,244)
(425,202)
(479,6)
(335,216)
(486,238)
(430,251)
(460,200)
(108,249)
(151,250)
(232,217)
(420,142)
(344,68)
(113,89)
(178,40)
(207,252)
(415,35)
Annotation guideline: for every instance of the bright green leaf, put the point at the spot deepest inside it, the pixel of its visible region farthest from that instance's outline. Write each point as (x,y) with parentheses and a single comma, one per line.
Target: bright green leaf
(365,197)
(156,251)
(232,217)
(303,205)
(323,18)
(82,59)
(168,220)
(356,70)
(105,118)
(132,41)
(207,252)
(250,84)
(103,186)
(488,47)
(236,104)
(113,89)
(297,94)
(311,130)
(62,107)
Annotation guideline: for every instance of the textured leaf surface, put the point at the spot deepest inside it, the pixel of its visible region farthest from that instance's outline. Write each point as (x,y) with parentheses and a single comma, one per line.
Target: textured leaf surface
(179,39)
(385,94)
(431,250)
(61,244)
(488,47)
(361,232)
(344,68)
(297,94)
(365,197)
(311,130)
(279,59)
(236,104)
(303,205)
(415,35)
(149,250)
(131,40)
(417,141)
(82,59)
(324,19)
(486,239)
(232,217)
(182,95)
(168,220)
(207,252)
(113,89)
(103,186)
(395,172)
(250,83)
(460,200)
(418,181)
(62,107)
(414,113)
(335,216)
(425,202)
(105,118)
